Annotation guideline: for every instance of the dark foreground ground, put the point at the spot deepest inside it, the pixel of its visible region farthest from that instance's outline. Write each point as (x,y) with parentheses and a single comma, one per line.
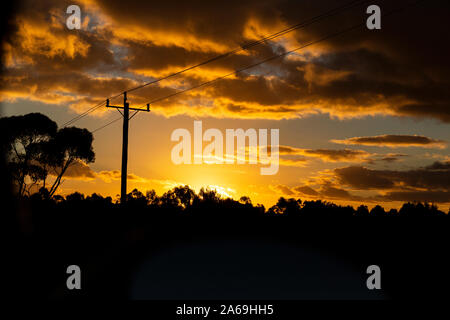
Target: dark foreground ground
(125,253)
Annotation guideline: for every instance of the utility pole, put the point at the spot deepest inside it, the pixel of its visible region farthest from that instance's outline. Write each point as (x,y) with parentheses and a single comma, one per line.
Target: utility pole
(126,118)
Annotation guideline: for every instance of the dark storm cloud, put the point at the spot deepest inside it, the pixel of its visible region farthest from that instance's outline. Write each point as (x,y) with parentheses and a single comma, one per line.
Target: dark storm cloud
(433,177)
(381,66)
(429,184)
(400,70)
(329,191)
(215,20)
(423,196)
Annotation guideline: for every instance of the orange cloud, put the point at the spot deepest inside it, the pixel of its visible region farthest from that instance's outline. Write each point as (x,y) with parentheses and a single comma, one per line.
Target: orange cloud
(330,155)
(109,176)
(78,170)
(125,44)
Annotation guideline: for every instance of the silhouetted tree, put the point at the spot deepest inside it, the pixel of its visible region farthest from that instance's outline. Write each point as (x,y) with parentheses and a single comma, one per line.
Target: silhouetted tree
(34,148)
(136,199)
(97,200)
(68,146)
(152,198)
(312,208)
(393,212)
(169,200)
(21,141)
(419,209)
(245,200)
(185,196)
(362,211)
(209,196)
(74,197)
(377,211)
(286,207)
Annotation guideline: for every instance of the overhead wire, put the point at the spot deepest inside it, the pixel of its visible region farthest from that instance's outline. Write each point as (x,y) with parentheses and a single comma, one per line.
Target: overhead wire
(247,46)
(327,37)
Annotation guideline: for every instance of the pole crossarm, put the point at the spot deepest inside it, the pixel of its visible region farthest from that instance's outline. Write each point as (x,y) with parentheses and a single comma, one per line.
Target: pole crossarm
(126,118)
(135,109)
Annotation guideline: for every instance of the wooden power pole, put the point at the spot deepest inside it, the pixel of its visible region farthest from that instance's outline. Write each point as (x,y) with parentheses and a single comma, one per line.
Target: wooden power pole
(126,118)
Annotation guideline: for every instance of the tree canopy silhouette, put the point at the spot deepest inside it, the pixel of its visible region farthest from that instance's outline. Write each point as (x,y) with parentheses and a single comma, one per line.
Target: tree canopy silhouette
(67,146)
(35,148)
(22,138)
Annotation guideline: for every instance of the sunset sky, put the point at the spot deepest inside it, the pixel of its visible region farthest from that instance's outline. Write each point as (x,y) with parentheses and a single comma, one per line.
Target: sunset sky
(364,117)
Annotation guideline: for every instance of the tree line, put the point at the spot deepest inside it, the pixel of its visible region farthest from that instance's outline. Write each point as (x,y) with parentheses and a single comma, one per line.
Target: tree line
(34,148)
(182,200)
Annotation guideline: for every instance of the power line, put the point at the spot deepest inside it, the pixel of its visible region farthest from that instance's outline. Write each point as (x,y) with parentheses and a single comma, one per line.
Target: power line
(257,42)
(83,114)
(306,23)
(255,64)
(90,110)
(104,126)
(332,35)
(243,69)
(278,55)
